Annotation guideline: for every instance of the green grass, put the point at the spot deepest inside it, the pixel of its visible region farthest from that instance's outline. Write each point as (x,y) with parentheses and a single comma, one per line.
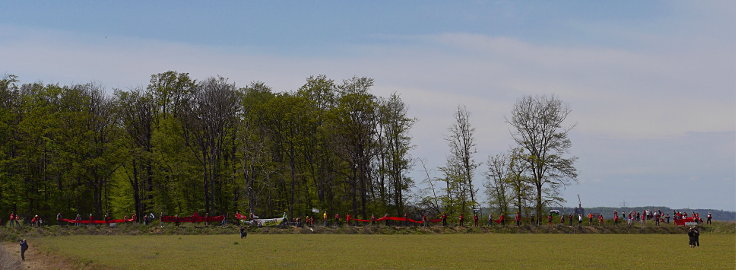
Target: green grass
(430,251)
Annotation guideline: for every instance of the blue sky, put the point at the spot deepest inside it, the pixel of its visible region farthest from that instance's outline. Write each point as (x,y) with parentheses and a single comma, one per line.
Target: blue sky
(650,82)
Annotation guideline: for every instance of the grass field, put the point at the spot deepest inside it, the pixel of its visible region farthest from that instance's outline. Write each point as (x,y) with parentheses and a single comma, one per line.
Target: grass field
(434,251)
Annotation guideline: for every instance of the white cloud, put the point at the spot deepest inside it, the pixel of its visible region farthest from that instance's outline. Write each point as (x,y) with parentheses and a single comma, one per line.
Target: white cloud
(621,93)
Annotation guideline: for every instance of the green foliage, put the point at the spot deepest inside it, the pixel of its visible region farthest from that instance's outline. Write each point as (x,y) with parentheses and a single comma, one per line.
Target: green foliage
(181,146)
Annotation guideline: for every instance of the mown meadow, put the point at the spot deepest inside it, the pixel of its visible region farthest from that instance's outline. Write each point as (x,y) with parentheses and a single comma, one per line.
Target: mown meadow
(380,251)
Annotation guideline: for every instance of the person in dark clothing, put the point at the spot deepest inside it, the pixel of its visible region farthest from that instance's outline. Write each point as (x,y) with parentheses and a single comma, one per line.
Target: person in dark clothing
(444,219)
(23,248)
(569,219)
(243,233)
(693,235)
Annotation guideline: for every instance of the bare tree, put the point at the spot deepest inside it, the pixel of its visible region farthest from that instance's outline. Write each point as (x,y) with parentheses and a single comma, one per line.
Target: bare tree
(462,148)
(498,184)
(538,126)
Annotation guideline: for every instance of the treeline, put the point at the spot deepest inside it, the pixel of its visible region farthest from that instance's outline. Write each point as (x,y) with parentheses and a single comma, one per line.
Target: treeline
(181,146)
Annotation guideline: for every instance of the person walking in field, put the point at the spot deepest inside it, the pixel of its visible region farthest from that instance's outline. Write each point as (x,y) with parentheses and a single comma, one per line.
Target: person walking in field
(243,233)
(23,248)
(692,234)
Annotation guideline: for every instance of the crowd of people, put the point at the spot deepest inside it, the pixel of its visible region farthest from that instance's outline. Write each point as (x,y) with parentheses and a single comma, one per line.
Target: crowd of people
(629,218)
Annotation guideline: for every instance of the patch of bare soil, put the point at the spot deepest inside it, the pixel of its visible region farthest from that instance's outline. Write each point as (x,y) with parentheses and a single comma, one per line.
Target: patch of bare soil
(35,259)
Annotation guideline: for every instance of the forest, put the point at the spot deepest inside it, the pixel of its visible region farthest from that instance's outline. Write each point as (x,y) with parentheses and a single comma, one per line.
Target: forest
(180,146)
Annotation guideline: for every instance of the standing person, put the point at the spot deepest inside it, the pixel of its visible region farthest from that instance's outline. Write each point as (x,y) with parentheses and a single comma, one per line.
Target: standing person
(490,219)
(517,218)
(58,219)
(337,219)
(373,219)
(23,248)
(406,219)
(444,219)
(569,219)
(385,218)
(425,222)
(11,219)
(243,233)
(590,218)
(656,218)
(324,218)
(347,219)
(475,220)
(549,219)
(562,219)
(600,219)
(580,220)
(90,220)
(615,217)
(461,219)
(708,221)
(691,237)
(77,219)
(697,236)
(667,218)
(17,220)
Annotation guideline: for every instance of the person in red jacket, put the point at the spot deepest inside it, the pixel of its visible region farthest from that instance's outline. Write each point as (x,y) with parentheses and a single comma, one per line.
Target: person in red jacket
(518,219)
(475,220)
(444,219)
(347,219)
(11,219)
(462,219)
(600,219)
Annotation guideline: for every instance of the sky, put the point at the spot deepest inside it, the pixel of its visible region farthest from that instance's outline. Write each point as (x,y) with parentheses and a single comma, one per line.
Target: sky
(651,84)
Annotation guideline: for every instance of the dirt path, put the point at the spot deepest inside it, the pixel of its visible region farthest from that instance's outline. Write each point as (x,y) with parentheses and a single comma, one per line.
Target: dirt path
(35,259)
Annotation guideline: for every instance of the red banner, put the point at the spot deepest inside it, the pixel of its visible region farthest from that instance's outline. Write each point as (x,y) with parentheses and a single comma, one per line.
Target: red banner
(88,221)
(684,221)
(240,216)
